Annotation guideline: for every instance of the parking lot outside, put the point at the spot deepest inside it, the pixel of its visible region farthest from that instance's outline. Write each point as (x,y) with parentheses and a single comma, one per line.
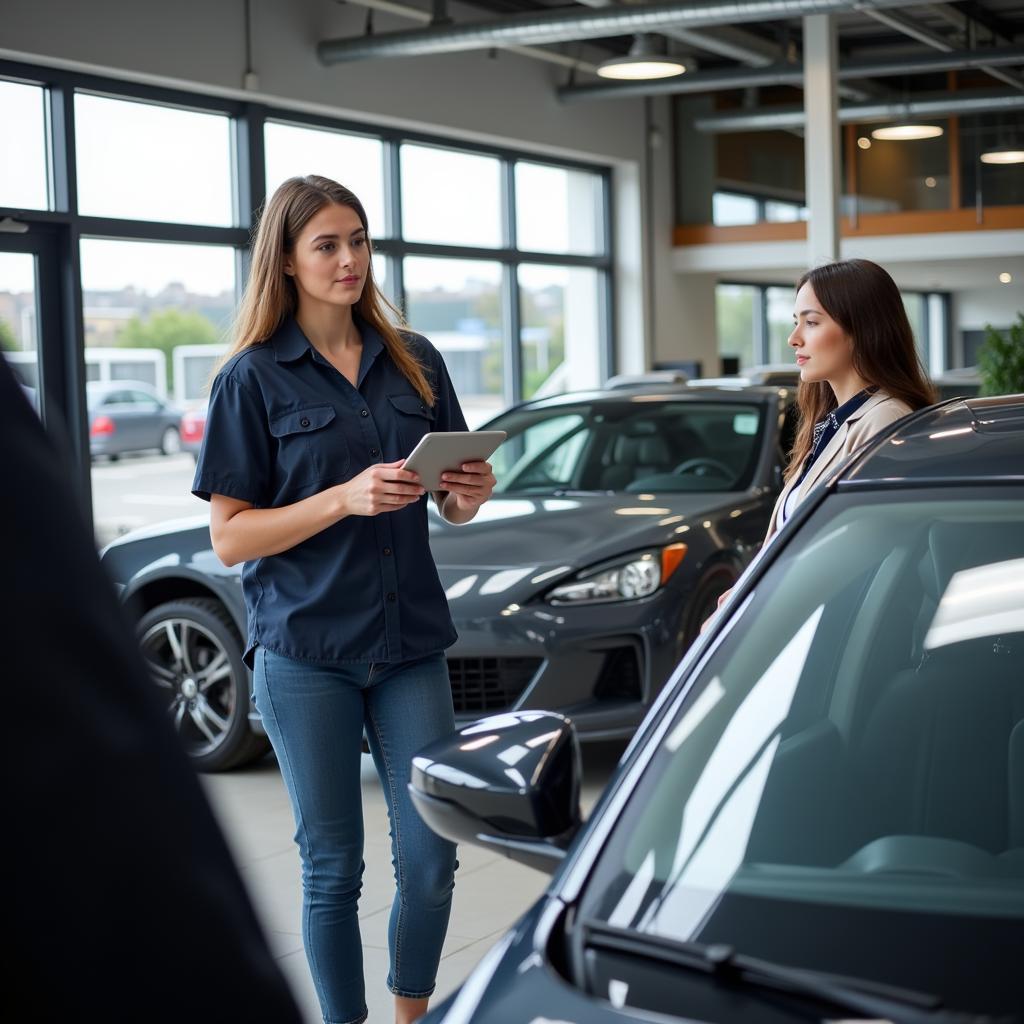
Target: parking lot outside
(139,490)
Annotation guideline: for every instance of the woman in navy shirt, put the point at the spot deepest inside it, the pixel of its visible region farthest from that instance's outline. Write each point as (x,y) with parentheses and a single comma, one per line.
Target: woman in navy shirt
(309,422)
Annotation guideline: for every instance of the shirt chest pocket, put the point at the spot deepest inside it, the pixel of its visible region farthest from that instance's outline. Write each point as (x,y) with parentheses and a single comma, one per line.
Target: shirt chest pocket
(310,446)
(414,418)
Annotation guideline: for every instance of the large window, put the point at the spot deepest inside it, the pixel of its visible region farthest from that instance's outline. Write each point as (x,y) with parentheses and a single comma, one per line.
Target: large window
(19,319)
(451,197)
(150,197)
(457,305)
(24,181)
(356,161)
(152,162)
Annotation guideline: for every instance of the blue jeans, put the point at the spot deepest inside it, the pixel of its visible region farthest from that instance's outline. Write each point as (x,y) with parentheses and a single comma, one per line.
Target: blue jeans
(314,716)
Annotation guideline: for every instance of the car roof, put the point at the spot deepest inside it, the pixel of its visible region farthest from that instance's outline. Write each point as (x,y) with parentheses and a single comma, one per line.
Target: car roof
(960,441)
(118,385)
(737,393)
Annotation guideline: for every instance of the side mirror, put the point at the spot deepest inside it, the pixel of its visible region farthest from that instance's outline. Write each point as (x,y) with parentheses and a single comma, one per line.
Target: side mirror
(510,783)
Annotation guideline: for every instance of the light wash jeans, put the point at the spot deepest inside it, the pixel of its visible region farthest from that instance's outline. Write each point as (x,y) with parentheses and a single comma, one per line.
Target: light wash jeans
(314,716)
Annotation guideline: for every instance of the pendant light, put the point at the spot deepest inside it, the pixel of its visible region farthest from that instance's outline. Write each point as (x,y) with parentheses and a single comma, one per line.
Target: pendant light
(645,60)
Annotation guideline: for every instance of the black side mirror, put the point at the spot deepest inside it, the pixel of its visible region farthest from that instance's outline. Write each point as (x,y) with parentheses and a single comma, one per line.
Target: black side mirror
(510,782)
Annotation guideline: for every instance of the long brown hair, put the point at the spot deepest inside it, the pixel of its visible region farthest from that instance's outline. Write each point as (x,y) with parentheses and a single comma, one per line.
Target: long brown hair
(863,299)
(270,294)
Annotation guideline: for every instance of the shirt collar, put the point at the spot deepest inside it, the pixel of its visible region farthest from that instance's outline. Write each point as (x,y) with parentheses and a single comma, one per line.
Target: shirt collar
(290,344)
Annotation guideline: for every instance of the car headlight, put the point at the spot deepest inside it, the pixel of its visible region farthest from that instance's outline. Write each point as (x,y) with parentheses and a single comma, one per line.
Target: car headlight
(638,576)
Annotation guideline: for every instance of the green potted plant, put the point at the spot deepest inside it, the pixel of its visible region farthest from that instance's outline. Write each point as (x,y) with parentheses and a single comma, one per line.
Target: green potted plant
(1001,360)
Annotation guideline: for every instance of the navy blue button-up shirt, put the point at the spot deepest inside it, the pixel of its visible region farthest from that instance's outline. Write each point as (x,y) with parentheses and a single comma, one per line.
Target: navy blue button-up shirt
(283,424)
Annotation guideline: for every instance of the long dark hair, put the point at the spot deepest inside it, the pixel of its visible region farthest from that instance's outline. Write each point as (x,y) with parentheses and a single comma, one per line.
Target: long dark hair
(270,294)
(863,299)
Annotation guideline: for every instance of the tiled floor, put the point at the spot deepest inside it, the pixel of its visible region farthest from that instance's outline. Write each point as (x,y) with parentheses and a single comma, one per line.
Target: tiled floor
(490,891)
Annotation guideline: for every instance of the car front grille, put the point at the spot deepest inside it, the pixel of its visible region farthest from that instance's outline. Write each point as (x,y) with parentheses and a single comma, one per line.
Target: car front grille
(489,684)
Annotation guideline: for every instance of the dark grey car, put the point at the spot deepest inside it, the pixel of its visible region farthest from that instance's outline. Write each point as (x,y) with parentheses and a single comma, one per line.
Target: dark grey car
(129,416)
(822,818)
(618,520)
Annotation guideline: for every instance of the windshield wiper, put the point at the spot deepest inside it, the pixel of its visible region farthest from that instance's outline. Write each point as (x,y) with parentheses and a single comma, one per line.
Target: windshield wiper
(862,996)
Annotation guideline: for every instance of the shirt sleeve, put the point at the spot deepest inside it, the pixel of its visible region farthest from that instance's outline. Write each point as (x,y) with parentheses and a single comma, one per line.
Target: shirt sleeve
(235,459)
(447,411)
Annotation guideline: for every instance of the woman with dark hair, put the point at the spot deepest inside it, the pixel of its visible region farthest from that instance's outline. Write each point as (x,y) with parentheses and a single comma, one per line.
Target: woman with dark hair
(310,419)
(859,372)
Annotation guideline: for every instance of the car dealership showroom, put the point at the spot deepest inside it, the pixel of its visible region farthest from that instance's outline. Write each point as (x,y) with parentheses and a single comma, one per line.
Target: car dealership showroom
(513,510)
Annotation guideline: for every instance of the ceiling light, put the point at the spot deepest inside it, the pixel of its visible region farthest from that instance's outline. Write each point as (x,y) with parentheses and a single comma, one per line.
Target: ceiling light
(1003,155)
(906,132)
(644,61)
(1005,278)
(930,182)
(864,142)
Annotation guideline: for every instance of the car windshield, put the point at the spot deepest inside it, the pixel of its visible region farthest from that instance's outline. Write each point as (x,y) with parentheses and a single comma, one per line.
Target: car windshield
(641,444)
(842,788)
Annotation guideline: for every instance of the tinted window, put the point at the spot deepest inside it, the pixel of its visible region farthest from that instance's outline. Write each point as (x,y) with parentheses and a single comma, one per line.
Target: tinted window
(635,446)
(849,763)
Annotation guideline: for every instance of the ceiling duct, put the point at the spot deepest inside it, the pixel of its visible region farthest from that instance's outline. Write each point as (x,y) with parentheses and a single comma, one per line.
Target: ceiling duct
(534,30)
(943,105)
(792,74)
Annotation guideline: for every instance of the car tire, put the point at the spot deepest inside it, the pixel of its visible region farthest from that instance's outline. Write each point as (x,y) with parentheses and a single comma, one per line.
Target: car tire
(712,585)
(170,442)
(182,642)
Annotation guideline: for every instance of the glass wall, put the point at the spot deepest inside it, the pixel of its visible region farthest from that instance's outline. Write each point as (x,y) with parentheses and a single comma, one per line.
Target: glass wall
(356,161)
(987,144)
(151,162)
(19,320)
(457,305)
(737,310)
(896,174)
(24,182)
(755,322)
(560,328)
(499,258)
(759,176)
(450,197)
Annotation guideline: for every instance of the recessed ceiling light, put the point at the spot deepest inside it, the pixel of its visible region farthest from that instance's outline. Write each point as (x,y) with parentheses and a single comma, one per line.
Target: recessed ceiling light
(1005,278)
(864,142)
(906,132)
(644,61)
(1003,155)
(930,182)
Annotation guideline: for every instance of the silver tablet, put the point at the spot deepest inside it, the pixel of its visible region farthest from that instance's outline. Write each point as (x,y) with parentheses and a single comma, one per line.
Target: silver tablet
(447,451)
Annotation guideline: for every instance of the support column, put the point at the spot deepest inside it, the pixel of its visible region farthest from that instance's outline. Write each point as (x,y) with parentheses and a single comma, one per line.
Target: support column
(821,138)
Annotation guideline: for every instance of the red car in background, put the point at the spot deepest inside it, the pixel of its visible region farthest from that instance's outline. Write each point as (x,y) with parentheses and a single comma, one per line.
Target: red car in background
(193,426)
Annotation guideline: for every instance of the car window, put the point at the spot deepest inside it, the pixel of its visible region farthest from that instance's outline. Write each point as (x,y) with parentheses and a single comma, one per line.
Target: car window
(118,398)
(144,400)
(632,446)
(852,754)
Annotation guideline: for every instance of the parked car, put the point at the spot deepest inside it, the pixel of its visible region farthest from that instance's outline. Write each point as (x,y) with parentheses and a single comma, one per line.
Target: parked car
(130,416)
(823,816)
(618,519)
(193,427)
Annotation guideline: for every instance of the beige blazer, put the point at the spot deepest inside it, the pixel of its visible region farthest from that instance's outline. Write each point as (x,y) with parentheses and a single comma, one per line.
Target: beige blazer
(877,412)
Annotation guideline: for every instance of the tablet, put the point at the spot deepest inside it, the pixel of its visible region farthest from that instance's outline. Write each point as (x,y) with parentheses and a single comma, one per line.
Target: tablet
(437,453)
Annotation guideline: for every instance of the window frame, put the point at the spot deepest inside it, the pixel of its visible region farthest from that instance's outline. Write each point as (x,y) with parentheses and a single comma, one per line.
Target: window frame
(248,170)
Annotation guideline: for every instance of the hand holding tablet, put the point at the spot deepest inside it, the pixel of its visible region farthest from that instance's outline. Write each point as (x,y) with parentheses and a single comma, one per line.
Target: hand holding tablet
(437,453)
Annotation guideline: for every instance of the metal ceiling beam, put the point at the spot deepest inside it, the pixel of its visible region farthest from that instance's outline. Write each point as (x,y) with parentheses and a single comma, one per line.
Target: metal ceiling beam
(534,52)
(942,105)
(792,74)
(564,26)
(933,39)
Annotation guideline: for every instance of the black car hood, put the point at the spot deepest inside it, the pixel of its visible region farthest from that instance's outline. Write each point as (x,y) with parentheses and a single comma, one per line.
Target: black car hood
(515,540)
